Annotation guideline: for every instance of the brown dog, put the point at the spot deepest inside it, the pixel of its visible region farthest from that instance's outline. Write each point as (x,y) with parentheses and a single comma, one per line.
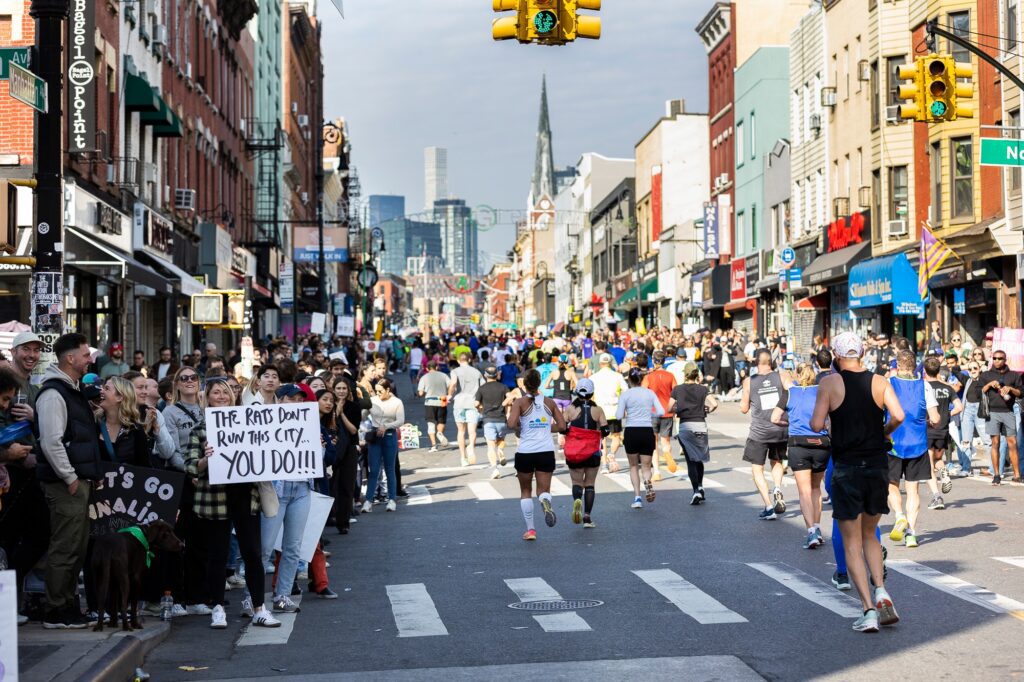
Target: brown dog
(118,562)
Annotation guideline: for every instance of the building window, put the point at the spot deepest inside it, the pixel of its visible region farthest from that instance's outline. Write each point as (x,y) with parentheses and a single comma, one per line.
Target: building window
(960,26)
(738,142)
(936,171)
(797,120)
(875,100)
(1010,26)
(753,136)
(876,206)
(753,227)
(1014,125)
(893,65)
(961,159)
(898,193)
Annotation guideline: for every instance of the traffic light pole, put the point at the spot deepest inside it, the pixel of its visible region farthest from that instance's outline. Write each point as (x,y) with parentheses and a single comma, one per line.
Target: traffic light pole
(47,295)
(934,29)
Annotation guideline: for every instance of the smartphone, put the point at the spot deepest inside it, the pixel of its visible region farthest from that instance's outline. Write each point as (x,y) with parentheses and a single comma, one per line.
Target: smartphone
(20,398)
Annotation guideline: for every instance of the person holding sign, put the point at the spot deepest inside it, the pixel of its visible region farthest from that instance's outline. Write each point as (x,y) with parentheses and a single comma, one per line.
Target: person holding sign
(387,416)
(217,508)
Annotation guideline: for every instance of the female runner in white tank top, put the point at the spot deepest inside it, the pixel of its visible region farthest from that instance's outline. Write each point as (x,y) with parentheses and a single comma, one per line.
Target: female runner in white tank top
(534,417)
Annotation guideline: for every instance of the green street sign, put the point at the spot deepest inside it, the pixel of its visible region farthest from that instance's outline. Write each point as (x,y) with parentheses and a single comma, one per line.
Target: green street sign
(999,152)
(28,88)
(17,55)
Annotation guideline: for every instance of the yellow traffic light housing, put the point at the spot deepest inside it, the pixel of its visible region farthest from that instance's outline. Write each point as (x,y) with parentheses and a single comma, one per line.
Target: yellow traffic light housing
(508,27)
(939,84)
(962,91)
(914,92)
(544,24)
(575,25)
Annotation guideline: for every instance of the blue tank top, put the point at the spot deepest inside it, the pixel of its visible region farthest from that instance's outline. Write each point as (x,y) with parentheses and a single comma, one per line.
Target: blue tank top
(910,440)
(800,407)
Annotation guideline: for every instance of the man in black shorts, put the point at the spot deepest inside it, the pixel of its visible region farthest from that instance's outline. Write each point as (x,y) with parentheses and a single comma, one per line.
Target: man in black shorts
(767,441)
(855,402)
(433,388)
(948,406)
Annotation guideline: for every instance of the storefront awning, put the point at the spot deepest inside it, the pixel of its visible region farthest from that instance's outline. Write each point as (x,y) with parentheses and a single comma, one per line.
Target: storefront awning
(889,280)
(139,95)
(819,302)
(187,284)
(88,254)
(628,297)
(833,266)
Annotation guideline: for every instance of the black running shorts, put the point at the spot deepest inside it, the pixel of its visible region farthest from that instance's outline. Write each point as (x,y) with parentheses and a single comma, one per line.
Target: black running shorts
(638,440)
(916,470)
(938,440)
(859,490)
(804,458)
(758,453)
(531,462)
(614,426)
(436,414)
(592,461)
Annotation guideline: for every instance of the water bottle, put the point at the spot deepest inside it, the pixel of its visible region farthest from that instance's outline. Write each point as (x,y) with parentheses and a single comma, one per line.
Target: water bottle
(166,606)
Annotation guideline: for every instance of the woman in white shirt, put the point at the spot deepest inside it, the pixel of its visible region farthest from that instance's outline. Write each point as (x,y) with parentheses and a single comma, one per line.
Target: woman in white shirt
(387,415)
(638,407)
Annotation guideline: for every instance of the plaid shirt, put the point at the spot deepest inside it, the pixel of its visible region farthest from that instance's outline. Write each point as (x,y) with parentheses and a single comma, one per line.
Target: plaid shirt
(211,501)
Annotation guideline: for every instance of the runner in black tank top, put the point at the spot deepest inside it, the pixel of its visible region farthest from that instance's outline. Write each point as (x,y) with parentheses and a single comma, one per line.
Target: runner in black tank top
(584,414)
(854,400)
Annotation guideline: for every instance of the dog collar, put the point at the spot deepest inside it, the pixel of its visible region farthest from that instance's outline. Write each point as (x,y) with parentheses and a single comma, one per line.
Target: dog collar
(137,533)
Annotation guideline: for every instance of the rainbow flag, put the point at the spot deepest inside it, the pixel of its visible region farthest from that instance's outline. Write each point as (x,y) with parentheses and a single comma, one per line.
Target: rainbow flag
(933,254)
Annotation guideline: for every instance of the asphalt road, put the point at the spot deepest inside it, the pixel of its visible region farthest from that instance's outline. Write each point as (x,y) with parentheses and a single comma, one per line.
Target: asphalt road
(705,592)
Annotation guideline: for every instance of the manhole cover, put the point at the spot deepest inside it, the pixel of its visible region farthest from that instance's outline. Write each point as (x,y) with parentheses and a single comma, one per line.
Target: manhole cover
(556,605)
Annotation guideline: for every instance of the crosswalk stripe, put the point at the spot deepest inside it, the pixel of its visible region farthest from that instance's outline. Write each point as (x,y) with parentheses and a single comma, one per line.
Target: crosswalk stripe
(559,488)
(688,598)
(957,587)
(260,636)
(1017,561)
(537,589)
(786,480)
(622,480)
(810,588)
(419,494)
(414,611)
(708,483)
(484,490)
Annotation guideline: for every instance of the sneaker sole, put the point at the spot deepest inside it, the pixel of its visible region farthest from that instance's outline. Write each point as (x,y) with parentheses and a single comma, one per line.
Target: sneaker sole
(55,626)
(577,512)
(897,533)
(842,588)
(868,628)
(886,613)
(267,625)
(650,492)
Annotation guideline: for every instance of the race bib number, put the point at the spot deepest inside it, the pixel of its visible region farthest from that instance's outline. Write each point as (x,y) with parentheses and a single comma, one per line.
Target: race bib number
(769,400)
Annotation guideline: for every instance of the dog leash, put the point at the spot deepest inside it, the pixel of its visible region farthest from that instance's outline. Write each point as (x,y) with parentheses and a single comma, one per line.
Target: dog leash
(137,533)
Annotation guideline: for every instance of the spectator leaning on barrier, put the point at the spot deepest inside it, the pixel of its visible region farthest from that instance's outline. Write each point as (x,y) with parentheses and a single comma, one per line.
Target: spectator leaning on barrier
(69,443)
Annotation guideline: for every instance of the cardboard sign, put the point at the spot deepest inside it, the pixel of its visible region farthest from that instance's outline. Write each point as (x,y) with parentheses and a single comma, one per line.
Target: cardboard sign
(345,325)
(8,625)
(319,510)
(1011,342)
(264,443)
(409,437)
(318,324)
(131,496)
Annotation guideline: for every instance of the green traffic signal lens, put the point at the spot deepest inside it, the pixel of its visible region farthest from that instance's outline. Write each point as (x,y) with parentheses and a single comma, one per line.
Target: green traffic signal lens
(545,21)
(938,109)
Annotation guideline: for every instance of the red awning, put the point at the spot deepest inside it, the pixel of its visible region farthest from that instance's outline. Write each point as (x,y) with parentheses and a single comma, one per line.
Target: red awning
(819,302)
(735,305)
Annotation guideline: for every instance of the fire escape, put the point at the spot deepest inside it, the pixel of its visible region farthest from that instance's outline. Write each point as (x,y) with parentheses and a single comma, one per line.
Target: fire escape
(264,141)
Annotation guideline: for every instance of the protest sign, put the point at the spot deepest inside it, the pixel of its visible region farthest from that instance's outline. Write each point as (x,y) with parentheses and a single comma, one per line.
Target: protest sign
(319,509)
(130,496)
(1011,342)
(8,625)
(264,443)
(409,437)
(318,323)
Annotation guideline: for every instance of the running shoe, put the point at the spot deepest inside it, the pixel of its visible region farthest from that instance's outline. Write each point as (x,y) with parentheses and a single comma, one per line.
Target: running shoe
(549,513)
(177,611)
(821,538)
(391,506)
(767,515)
(284,604)
(886,611)
(577,511)
(649,487)
(442,440)
(637,503)
(947,482)
(996,480)
(198,610)
(464,462)
(1017,479)
(262,618)
(841,581)
(811,542)
(218,619)
(696,499)
(587,523)
(530,535)
(911,539)
(433,448)
(367,507)
(495,474)
(779,501)
(235,580)
(868,622)
(703,497)
(670,463)
(501,459)
(898,529)
(937,502)
(247,607)
(326,593)
(604,470)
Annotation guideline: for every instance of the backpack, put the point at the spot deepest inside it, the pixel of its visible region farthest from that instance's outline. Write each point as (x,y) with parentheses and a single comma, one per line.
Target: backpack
(582,443)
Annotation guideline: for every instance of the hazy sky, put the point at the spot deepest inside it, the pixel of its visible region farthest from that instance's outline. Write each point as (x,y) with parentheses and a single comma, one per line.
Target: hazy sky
(409,74)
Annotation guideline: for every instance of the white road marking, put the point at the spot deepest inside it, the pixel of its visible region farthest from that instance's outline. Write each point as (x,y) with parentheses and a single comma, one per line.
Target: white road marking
(449,470)
(414,611)
(254,635)
(700,606)
(559,488)
(733,430)
(484,490)
(708,483)
(419,494)
(537,589)
(811,589)
(1017,561)
(622,480)
(786,480)
(958,588)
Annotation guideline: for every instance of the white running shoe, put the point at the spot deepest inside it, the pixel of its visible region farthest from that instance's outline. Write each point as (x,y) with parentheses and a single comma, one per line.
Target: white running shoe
(218,619)
(177,611)
(867,623)
(199,610)
(433,448)
(391,506)
(263,618)
(235,580)
(367,507)
(443,440)
(496,474)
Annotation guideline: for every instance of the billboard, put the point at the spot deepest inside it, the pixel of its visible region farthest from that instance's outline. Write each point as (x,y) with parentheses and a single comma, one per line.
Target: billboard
(307,245)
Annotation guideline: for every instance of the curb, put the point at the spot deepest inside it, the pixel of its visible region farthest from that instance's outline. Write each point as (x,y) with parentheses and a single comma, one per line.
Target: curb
(128,653)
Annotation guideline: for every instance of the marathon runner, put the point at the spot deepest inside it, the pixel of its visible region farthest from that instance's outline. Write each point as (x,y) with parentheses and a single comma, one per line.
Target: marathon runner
(909,458)
(433,388)
(587,423)
(533,417)
(464,382)
(948,405)
(856,401)
(661,381)
(637,406)
(767,441)
(608,385)
(491,400)
(691,402)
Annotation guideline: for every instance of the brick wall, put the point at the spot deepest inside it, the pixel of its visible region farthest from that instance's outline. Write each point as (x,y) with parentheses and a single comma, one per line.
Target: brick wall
(17,120)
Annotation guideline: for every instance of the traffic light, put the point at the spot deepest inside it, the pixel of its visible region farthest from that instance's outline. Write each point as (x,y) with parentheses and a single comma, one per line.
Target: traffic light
(939,87)
(575,25)
(508,27)
(962,91)
(543,25)
(914,92)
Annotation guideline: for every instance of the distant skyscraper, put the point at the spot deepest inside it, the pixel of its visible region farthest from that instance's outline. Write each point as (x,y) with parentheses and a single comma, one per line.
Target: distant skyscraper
(436,175)
(408,238)
(459,238)
(384,207)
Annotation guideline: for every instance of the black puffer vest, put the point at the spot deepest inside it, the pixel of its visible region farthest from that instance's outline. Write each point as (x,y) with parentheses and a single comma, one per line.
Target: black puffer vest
(81,437)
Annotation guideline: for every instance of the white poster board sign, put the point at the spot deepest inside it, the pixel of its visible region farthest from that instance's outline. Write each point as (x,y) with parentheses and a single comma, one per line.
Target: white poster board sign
(318,324)
(346,325)
(264,443)
(8,626)
(319,510)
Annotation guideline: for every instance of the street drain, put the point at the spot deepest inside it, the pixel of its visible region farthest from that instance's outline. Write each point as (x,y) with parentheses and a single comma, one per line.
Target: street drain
(556,604)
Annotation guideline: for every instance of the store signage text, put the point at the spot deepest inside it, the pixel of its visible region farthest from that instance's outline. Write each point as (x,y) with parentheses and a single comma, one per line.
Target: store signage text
(82,77)
(844,232)
(108,220)
(738,279)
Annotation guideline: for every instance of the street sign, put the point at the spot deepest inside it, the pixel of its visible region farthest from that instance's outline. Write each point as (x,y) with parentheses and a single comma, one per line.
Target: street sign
(788,256)
(999,152)
(17,55)
(27,87)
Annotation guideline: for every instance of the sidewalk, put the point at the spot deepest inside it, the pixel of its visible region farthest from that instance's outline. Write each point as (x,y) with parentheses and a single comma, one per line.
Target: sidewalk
(65,655)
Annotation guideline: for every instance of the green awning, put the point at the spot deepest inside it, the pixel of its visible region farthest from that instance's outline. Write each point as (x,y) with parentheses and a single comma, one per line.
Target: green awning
(628,297)
(139,95)
(173,129)
(160,117)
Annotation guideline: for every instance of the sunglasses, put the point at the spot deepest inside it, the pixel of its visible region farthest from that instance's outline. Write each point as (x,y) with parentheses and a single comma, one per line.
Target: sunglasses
(998,358)
(973,369)
(188,378)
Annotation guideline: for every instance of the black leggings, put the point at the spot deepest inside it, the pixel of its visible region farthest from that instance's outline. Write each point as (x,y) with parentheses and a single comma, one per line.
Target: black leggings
(343,482)
(695,472)
(217,536)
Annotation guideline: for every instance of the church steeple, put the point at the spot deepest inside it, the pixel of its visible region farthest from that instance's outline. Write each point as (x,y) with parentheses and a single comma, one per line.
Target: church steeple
(544,166)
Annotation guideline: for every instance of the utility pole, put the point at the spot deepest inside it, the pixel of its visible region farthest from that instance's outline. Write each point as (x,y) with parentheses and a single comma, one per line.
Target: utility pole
(47,310)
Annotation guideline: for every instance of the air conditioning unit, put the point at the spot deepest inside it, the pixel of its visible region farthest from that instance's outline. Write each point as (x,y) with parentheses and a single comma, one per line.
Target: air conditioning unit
(295,107)
(167,194)
(188,70)
(159,35)
(111,173)
(864,70)
(303,120)
(828,97)
(724,178)
(864,197)
(185,199)
(892,114)
(896,228)
(815,122)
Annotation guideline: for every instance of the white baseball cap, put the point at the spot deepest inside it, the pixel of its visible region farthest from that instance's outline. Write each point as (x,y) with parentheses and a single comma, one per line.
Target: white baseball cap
(605,358)
(848,345)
